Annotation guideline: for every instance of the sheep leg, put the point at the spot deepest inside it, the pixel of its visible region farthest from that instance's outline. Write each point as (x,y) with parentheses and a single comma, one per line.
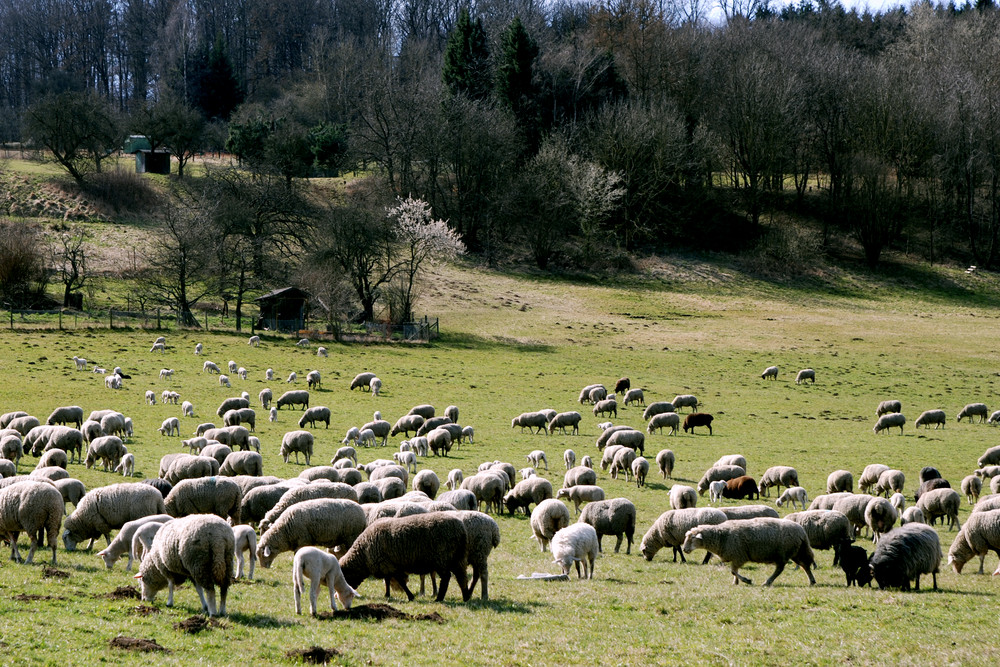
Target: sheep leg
(210,595)
(34,545)
(737,577)
(204,603)
(170,593)
(443,586)
(239,563)
(297,595)
(314,584)
(14,554)
(708,557)
(401,580)
(618,544)
(253,561)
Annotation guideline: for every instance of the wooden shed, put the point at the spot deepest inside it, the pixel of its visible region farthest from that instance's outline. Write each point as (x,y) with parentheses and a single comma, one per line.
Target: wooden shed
(283,310)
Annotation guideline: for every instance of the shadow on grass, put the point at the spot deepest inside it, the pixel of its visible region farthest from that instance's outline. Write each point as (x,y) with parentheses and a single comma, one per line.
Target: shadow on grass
(469,341)
(505,606)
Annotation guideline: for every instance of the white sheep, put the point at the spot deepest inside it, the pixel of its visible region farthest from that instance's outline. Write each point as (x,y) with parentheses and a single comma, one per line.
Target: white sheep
(224,381)
(759,540)
(113,382)
(292,377)
(683,497)
(254,341)
(321,568)
(246,540)
(587,462)
(158,347)
(569,458)
(454,479)
(198,348)
(366,438)
(805,374)
(321,352)
(269,374)
(715,491)
(898,500)
(525,473)
(210,367)
(150,398)
(187,409)
(127,465)
(170,426)
(575,544)
(536,458)
(979,536)
(793,494)
(888,421)
(273,415)
(122,544)
(770,373)
(468,434)
(407,459)
(242,373)
(375,385)
(912,515)
(166,373)
(974,410)
(581,494)
(303,342)
(160,339)
(548,518)
(81,363)
(972,486)
(928,417)
(604,426)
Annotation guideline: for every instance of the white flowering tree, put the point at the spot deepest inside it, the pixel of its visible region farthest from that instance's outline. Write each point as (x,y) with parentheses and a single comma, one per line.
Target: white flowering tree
(419,241)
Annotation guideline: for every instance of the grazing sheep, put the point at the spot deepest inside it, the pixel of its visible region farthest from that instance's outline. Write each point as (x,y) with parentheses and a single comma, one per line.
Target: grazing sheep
(602,439)
(682,497)
(904,554)
(990,457)
(770,373)
(685,401)
(321,568)
(127,465)
(428,482)
(468,433)
(880,517)
(870,476)
(199,548)
(628,438)
(171,427)
(665,462)
(979,536)
(316,490)
(941,503)
(912,515)
(741,487)
(23,423)
(854,563)
(743,512)
(406,424)
(295,442)
(53,458)
(623,385)
(548,517)
(324,522)
(65,415)
(580,494)
(890,481)
(853,507)
(888,421)
(531,490)
(725,473)
(698,419)
(887,407)
(362,380)
(488,488)
(569,458)
(530,420)
(640,468)
(840,481)
(732,460)
(634,396)
(607,406)
(670,528)
(205,495)
(564,419)
(219,452)
(716,490)
(294,397)
(805,374)
(986,472)
(586,391)
(292,377)
(72,490)
(611,517)
(122,544)
(242,463)
(317,413)
(224,381)
(777,477)
(972,486)
(598,394)
(536,458)
(579,475)
(345,453)
(406,459)
(928,417)
(455,478)
(161,485)
(760,540)
(460,499)
(32,507)
(577,543)
(792,495)
(246,540)
(191,467)
(994,417)
(108,508)
(257,502)
(109,449)
(670,420)
(418,544)
(974,410)
(658,408)
(313,380)
(825,529)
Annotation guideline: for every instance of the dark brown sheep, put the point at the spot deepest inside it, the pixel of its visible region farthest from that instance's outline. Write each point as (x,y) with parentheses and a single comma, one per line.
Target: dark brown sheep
(623,385)
(698,419)
(739,488)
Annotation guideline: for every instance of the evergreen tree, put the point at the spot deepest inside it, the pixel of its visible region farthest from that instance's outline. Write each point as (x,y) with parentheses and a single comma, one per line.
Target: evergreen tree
(514,78)
(215,89)
(466,69)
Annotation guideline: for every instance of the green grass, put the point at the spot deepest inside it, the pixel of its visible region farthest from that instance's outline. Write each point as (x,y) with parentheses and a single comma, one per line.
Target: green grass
(512,344)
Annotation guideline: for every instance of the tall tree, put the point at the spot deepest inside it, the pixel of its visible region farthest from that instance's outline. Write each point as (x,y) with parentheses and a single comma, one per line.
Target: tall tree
(70,260)
(78,128)
(215,90)
(515,69)
(466,68)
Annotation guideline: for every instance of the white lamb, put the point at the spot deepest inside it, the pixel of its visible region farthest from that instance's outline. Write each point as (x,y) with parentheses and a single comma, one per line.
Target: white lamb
(795,494)
(81,363)
(170,426)
(569,458)
(224,381)
(321,352)
(232,366)
(113,382)
(273,416)
(715,490)
(166,372)
(187,409)
(269,374)
(321,568)
(198,348)
(303,342)
(292,377)
(536,458)
(246,540)
(150,397)
(406,459)
(576,543)
(127,465)
(525,473)
(454,479)
(158,347)
(254,341)
(366,438)
(242,372)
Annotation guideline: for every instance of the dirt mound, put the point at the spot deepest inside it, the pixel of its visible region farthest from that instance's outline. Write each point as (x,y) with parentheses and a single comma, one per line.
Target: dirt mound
(145,610)
(314,655)
(135,644)
(380,612)
(54,573)
(24,597)
(196,624)
(122,593)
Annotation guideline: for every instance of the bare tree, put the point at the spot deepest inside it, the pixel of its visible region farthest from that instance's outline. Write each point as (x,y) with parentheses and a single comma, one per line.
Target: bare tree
(70,261)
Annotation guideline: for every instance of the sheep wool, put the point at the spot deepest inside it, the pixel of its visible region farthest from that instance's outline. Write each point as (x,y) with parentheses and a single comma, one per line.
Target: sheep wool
(32,507)
(670,528)
(108,508)
(904,554)
(611,517)
(324,522)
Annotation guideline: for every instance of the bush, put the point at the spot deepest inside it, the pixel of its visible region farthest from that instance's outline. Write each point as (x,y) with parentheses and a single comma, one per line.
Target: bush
(23,277)
(784,252)
(122,190)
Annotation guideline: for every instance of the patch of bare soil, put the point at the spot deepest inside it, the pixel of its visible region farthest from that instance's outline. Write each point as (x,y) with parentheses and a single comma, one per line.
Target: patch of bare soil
(24,597)
(196,624)
(122,593)
(380,612)
(136,644)
(314,655)
(52,572)
(145,610)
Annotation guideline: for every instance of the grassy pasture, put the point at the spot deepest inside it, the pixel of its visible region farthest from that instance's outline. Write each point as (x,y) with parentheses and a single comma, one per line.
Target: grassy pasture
(518,343)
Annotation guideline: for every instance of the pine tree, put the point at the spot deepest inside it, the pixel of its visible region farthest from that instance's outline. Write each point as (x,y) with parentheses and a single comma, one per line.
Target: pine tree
(466,69)
(216,90)
(514,85)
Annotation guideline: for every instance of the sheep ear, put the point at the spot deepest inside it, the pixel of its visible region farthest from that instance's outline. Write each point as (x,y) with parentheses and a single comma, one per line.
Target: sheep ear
(698,536)
(267,552)
(137,576)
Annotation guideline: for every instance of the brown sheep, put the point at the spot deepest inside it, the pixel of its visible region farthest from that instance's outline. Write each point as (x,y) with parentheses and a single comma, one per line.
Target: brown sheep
(698,419)
(739,488)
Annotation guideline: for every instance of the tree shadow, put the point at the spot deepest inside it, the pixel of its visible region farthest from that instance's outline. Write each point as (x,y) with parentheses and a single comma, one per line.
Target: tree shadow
(469,341)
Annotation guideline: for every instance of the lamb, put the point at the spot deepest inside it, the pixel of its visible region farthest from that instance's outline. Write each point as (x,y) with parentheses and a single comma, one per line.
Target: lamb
(912,515)
(317,413)
(321,568)
(294,397)
(127,465)
(428,482)
(760,540)
(629,438)
(150,397)
(242,463)
(724,473)
(805,374)
(579,475)
(928,417)
(191,467)
(272,416)
(854,563)
(898,500)
(564,419)
(347,452)
(295,442)
(199,548)
(81,363)
(375,386)
(670,528)
(986,472)
(324,522)
(825,529)
(640,468)
(532,490)
(608,406)
(994,417)
(611,517)
(205,495)
(122,544)
(362,380)
(905,554)
(242,373)
(698,419)
(972,486)
(577,543)
(888,421)
(743,487)
(536,458)
(202,428)
(66,415)
(887,407)
(232,366)
(685,401)
(11,448)
(529,420)
(170,426)
(890,481)
(941,503)
(670,420)
(405,424)
(406,459)
(974,410)
(313,380)
(419,544)
(72,490)
(770,373)
(716,490)
(682,497)
(665,462)
(840,481)
(580,494)
(634,396)
(778,476)
(979,536)
(880,516)
(108,508)
(32,507)
(158,347)
(224,381)
(870,475)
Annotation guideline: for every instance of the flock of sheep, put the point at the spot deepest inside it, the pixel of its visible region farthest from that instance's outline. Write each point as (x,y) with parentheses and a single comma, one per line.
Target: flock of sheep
(210,505)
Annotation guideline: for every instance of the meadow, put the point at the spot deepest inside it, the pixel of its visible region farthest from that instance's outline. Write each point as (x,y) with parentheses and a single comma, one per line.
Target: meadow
(513,343)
